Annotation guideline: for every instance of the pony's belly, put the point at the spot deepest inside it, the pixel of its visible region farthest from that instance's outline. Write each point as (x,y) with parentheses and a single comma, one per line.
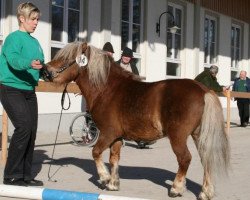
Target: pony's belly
(144,134)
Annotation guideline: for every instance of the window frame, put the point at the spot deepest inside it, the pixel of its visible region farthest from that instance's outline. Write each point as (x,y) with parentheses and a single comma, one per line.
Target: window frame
(235,67)
(137,54)
(64,41)
(171,59)
(211,17)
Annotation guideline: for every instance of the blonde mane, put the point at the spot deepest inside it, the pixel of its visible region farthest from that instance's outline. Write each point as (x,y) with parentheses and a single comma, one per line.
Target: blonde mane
(98,62)
(69,52)
(98,66)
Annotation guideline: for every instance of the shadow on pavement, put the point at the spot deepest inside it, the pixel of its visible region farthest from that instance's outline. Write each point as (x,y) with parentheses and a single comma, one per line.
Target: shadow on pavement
(155,175)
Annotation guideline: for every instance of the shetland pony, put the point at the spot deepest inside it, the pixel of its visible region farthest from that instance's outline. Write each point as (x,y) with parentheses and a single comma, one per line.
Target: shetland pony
(123,106)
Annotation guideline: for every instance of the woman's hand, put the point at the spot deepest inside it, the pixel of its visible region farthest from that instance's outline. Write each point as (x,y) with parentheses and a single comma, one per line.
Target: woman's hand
(36,64)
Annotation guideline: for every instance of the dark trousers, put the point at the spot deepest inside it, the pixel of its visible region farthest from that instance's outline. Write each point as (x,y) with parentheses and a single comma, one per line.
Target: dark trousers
(21,107)
(243,107)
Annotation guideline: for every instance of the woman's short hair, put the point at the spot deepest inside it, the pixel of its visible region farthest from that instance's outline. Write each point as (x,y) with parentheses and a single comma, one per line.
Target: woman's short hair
(26,10)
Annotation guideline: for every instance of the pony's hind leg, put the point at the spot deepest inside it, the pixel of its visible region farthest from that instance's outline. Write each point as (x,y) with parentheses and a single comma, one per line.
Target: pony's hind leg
(184,157)
(207,191)
(114,183)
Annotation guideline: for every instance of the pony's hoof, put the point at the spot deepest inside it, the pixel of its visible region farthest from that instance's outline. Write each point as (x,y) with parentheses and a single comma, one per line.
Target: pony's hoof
(207,193)
(173,193)
(104,182)
(203,196)
(112,187)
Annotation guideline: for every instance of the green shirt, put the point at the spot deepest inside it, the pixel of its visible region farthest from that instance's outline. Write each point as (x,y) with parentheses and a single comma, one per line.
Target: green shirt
(242,86)
(18,51)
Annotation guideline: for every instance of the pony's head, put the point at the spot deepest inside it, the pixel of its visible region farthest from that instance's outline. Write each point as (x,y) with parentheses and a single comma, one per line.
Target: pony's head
(75,60)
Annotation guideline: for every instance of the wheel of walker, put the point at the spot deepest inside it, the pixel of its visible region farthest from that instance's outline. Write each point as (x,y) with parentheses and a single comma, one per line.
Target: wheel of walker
(83,130)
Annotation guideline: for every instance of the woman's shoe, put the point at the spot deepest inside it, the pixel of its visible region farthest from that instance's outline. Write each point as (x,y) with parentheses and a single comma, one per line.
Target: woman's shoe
(33,182)
(14,181)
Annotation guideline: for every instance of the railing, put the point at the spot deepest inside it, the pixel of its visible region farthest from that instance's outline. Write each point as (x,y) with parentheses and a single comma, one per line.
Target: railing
(73,88)
(229,95)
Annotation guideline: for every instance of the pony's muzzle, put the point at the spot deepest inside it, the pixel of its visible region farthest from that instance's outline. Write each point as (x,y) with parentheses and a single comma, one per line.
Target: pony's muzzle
(46,74)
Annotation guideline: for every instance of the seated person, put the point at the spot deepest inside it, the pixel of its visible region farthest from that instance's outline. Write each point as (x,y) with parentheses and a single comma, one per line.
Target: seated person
(208,78)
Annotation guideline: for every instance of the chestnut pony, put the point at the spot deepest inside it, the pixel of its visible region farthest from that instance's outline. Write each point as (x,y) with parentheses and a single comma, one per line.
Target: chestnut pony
(123,106)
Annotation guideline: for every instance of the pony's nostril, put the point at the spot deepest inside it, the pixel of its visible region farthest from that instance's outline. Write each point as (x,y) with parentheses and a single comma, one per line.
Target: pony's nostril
(45,74)
(53,74)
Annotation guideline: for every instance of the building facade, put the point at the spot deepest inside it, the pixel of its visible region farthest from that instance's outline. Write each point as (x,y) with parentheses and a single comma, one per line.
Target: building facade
(209,32)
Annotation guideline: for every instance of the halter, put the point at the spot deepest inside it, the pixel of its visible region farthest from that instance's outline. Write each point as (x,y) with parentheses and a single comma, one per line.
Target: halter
(53,74)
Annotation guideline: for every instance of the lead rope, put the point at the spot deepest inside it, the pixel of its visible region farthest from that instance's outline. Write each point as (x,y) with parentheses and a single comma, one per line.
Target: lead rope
(53,152)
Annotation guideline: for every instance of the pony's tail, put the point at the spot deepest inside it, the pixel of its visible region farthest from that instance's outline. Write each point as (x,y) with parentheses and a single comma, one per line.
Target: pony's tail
(213,145)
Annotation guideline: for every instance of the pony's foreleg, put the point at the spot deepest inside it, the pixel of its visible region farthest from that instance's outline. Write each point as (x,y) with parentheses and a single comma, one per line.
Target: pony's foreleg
(114,183)
(183,157)
(100,166)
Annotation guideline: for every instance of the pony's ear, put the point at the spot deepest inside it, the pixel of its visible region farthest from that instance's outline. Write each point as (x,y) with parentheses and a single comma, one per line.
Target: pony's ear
(84,47)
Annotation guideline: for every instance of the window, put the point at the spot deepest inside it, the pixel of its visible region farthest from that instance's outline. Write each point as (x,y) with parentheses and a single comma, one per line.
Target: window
(235,45)
(131,27)
(66,16)
(210,33)
(235,50)
(174,40)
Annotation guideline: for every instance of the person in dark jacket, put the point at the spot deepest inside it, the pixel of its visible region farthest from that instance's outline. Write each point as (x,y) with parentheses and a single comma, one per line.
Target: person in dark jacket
(126,61)
(108,48)
(208,78)
(242,84)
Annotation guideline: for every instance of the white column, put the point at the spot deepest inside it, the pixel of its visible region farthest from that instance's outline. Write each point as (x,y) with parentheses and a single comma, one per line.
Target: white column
(224,51)
(155,46)
(94,22)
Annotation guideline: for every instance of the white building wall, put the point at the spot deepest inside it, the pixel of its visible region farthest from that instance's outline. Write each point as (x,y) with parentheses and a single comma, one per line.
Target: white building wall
(153,47)
(201,41)
(224,55)
(47,102)
(224,50)
(188,68)
(245,64)
(94,22)
(116,28)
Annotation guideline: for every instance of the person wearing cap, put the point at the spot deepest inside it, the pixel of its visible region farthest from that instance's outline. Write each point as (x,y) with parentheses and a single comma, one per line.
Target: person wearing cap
(242,84)
(126,61)
(208,78)
(108,48)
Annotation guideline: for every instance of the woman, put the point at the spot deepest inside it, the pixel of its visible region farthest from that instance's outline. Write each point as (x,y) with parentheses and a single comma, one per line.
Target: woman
(20,62)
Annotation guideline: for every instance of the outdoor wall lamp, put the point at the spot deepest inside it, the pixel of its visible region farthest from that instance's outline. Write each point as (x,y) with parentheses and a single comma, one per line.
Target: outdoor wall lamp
(173,29)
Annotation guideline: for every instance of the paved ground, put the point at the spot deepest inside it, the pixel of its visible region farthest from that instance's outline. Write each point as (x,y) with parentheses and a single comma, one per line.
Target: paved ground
(144,173)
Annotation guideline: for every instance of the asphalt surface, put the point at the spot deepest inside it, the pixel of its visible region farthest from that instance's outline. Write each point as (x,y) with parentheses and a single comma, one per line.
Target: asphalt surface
(144,173)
